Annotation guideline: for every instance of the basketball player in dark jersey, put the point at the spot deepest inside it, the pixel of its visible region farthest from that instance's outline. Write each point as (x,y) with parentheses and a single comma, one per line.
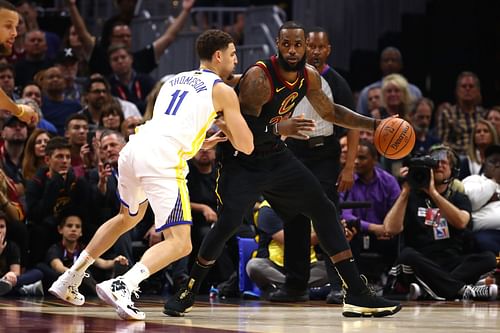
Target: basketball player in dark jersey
(268,93)
(9,19)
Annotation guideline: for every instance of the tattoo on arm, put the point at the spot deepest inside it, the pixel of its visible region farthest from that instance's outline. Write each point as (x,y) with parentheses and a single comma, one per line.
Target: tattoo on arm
(255,91)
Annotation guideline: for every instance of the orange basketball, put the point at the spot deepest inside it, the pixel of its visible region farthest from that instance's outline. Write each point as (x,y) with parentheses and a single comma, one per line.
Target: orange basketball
(394,138)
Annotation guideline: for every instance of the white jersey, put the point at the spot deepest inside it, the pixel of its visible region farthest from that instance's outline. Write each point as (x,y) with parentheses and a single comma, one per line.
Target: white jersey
(183,111)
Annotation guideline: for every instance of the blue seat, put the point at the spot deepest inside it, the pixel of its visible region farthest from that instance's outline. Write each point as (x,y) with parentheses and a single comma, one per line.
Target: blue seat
(246,248)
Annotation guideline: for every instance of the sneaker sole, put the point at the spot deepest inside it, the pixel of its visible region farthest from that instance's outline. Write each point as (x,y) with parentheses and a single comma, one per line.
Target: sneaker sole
(173,313)
(356,311)
(55,292)
(109,299)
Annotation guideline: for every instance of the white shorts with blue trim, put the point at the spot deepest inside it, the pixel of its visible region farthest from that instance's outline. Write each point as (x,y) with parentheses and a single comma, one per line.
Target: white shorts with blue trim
(151,171)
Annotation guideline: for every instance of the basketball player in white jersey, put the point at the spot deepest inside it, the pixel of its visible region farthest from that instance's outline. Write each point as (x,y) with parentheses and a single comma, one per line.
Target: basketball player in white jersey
(9,19)
(152,168)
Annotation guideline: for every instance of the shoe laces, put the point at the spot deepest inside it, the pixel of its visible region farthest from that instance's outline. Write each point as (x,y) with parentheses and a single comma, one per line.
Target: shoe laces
(370,287)
(184,294)
(120,286)
(476,291)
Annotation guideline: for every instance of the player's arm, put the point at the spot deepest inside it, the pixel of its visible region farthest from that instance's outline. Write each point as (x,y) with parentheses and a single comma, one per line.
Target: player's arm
(170,34)
(334,113)
(235,126)
(255,91)
(23,112)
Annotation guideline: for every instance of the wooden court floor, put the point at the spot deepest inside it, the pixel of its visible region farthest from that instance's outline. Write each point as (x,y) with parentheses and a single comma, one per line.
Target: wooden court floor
(54,316)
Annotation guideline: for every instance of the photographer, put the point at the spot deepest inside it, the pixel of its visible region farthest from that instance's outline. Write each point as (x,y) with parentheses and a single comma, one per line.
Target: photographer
(434,220)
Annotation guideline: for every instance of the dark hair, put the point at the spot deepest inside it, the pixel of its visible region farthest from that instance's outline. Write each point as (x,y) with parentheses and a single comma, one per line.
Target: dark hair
(102,80)
(6,66)
(78,116)
(211,41)
(370,146)
(113,108)
(3,216)
(291,25)
(7,5)
(115,47)
(57,142)
(317,29)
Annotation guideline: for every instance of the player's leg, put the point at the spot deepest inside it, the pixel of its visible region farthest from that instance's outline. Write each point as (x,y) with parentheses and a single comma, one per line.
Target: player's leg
(132,210)
(238,191)
(169,200)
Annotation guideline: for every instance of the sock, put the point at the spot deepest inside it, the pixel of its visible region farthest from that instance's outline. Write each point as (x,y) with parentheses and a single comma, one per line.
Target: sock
(138,273)
(349,274)
(198,274)
(83,262)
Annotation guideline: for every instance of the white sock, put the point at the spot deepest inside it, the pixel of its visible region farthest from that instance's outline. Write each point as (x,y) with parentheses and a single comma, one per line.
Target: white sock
(136,275)
(83,262)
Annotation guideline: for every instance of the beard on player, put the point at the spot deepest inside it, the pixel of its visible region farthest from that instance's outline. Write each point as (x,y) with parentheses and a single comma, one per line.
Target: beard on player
(291,68)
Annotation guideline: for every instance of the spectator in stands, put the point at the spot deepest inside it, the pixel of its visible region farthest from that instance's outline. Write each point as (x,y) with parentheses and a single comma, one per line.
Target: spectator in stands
(112,117)
(33,92)
(34,153)
(52,191)
(381,189)
(68,64)
(268,269)
(76,132)
(484,193)
(14,135)
(493,116)
(374,97)
(433,228)
(63,253)
(28,10)
(97,96)
(55,107)
(129,125)
(35,58)
(455,123)
(11,276)
(396,97)
(146,59)
(366,135)
(12,208)
(391,62)
(125,82)
(7,80)
(483,135)
(420,118)
(73,41)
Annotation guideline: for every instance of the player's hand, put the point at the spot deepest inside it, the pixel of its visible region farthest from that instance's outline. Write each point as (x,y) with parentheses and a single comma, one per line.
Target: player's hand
(213,140)
(346,180)
(28,114)
(122,260)
(295,127)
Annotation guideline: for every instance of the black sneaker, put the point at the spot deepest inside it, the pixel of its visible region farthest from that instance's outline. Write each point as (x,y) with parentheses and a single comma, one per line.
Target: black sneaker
(335,297)
(289,295)
(180,303)
(369,305)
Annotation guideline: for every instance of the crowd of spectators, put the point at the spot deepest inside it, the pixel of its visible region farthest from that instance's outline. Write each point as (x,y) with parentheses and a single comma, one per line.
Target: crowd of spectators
(58,179)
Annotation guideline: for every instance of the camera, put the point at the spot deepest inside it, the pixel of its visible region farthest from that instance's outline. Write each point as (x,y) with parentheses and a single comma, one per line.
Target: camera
(419,173)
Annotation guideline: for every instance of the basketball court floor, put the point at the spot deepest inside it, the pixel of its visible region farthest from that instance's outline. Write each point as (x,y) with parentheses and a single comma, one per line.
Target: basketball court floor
(54,316)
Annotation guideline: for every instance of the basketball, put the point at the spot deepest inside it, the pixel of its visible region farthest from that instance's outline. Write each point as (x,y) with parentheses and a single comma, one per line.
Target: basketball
(394,138)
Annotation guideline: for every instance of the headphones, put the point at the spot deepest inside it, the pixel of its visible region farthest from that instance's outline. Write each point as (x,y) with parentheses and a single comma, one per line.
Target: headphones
(455,170)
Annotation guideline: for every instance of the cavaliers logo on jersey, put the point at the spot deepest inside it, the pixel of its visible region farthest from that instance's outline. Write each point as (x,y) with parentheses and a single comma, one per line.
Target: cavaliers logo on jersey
(288,103)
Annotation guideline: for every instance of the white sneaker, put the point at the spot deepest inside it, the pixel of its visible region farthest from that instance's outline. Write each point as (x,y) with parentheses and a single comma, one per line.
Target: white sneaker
(415,292)
(66,287)
(481,293)
(116,293)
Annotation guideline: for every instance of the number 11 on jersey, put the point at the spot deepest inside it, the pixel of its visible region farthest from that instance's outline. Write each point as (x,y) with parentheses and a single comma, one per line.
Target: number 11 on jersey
(177,98)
